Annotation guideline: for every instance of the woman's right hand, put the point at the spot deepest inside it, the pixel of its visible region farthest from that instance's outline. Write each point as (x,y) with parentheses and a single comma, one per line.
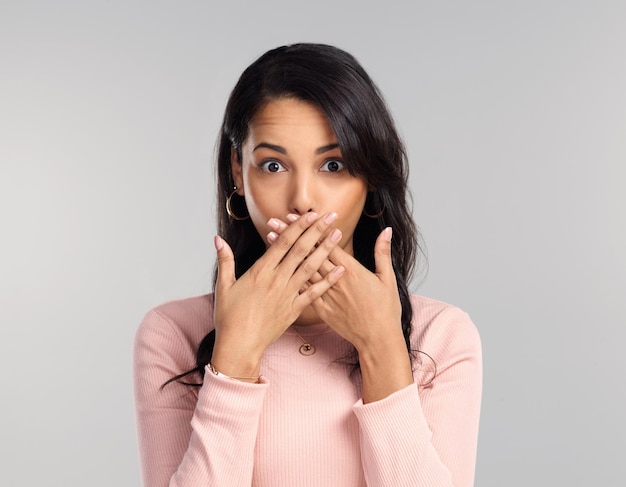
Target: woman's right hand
(253,311)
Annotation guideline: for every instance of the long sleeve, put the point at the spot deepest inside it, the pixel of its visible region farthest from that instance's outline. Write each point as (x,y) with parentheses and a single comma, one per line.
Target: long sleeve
(427,436)
(307,411)
(189,437)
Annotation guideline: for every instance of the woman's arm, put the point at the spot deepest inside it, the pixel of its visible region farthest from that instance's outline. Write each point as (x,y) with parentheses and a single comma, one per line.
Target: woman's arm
(209,437)
(189,437)
(427,436)
(408,439)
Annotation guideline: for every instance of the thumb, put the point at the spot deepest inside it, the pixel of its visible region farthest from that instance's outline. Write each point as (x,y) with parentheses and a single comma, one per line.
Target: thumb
(225,263)
(382,256)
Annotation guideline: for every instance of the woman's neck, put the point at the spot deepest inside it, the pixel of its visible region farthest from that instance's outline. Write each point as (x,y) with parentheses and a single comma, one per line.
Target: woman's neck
(308,317)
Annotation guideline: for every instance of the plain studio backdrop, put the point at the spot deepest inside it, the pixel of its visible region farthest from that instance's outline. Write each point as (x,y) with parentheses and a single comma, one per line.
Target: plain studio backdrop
(514,114)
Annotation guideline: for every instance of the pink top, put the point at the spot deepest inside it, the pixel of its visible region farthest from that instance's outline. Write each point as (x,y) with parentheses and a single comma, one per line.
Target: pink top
(305,424)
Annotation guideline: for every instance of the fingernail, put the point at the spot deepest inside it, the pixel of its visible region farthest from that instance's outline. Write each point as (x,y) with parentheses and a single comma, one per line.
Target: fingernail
(271,237)
(311,217)
(387,234)
(217,241)
(338,271)
(335,235)
(331,217)
(292,217)
(273,223)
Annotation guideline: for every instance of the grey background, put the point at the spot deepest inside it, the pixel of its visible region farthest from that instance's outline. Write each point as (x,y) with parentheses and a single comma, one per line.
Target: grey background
(514,115)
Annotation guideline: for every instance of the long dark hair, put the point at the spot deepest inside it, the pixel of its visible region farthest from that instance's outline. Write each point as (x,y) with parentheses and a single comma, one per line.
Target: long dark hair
(334,81)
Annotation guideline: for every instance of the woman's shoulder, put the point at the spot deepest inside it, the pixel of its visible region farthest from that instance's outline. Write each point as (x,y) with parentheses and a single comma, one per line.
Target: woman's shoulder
(443,330)
(429,311)
(426,309)
(181,322)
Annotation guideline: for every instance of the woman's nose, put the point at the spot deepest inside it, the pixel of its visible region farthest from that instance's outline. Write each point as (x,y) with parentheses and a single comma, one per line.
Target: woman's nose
(302,197)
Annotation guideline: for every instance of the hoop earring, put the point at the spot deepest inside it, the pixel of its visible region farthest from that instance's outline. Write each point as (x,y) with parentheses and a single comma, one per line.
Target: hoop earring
(229,208)
(377,215)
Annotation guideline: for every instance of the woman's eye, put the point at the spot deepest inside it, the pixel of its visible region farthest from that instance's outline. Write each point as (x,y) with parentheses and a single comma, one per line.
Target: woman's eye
(272,166)
(332,166)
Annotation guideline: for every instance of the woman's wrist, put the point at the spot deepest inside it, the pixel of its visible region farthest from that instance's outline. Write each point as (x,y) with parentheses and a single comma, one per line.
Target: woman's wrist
(235,360)
(385,367)
(252,380)
(379,340)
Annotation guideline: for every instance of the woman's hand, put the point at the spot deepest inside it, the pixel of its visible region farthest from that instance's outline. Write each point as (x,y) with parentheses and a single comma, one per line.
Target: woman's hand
(253,311)
(365,309)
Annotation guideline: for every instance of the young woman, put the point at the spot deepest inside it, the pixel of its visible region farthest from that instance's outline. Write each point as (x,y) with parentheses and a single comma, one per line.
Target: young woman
(310,365)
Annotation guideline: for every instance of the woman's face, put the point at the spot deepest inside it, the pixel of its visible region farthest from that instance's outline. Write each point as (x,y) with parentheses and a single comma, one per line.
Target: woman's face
(291,163)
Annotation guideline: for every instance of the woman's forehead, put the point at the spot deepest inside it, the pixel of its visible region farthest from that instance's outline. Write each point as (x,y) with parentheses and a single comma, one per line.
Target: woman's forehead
(286,120)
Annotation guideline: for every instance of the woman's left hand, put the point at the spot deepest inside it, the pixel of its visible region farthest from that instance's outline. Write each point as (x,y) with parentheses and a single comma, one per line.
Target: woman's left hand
(364,307)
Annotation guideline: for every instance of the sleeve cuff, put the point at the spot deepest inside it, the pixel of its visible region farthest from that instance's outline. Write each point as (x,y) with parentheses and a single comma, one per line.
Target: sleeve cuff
(400,411)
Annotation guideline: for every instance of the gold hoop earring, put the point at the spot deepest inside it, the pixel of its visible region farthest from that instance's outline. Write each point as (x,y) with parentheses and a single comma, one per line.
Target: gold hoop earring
(377,215)
(229,208)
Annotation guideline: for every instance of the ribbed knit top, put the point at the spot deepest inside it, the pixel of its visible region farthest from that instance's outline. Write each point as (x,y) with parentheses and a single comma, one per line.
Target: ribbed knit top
(305,424)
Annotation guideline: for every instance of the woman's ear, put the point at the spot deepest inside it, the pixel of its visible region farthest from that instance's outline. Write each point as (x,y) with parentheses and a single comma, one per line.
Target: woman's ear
(236,170)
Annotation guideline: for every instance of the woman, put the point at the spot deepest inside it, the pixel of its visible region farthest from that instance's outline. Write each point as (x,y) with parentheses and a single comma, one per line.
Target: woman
(310,364)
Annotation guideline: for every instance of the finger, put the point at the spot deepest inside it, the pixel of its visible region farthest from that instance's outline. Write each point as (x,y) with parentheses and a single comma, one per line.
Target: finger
(281,226)
(339,256)
(316,290)
(277,225)
(304,287)
(283,243)
(326,267)
(322,272)
(382,256)
(271,237)
(225,263)
(317,277)
(306,243)
(311,264)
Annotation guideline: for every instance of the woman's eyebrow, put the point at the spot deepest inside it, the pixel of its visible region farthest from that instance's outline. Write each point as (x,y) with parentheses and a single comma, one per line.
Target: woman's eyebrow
(326,148)
(282,150)
(273,147)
